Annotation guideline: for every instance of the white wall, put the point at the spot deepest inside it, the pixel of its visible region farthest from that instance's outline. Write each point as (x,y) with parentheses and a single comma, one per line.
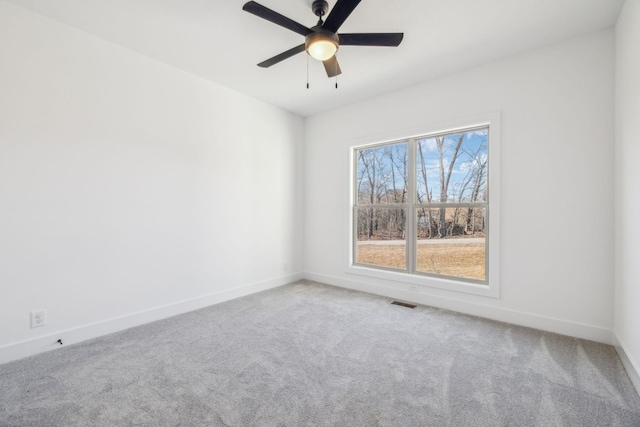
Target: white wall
(627,185)
(130,190)
(557,119)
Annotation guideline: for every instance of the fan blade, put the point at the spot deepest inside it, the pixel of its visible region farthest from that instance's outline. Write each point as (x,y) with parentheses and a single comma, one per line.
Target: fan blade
(268,14)
(332,67)
(284,55)
(339,14)
(371,39)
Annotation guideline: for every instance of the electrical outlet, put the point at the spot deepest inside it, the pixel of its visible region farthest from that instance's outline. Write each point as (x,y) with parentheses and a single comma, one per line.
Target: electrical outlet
(414,288)
(38,318)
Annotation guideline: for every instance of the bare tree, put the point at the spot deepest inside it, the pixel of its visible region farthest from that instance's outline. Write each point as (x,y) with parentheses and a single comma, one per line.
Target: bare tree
(479,179)
(471,186)
(397,155)
(374,188)
(368,171)
(425,213)
(445,177)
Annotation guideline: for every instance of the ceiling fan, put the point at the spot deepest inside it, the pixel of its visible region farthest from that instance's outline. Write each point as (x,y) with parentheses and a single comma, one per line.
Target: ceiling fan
(322,41)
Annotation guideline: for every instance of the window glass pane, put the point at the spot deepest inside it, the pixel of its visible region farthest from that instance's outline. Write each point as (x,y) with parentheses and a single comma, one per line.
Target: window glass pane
(381,237)
(452,168)
(382,174)
(452,242)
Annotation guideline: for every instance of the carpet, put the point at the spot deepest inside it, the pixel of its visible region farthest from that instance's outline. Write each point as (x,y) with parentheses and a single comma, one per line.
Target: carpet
(308,354)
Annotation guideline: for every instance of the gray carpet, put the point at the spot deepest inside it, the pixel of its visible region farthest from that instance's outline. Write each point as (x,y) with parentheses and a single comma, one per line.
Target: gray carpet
(313,355)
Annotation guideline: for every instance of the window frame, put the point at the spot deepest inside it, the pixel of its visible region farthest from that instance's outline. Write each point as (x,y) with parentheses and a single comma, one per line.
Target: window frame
(409,276)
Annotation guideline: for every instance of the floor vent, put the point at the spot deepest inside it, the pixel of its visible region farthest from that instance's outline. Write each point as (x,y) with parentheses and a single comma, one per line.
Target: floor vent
(404,304)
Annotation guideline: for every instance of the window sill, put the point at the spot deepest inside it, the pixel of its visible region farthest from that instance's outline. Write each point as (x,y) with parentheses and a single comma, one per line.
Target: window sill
(491,290)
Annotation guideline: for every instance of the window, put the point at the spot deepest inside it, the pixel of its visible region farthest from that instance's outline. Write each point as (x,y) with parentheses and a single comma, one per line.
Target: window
(421,209)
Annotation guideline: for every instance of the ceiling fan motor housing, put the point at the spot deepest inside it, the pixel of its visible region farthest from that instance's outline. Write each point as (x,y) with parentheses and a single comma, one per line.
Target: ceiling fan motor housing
(320,33)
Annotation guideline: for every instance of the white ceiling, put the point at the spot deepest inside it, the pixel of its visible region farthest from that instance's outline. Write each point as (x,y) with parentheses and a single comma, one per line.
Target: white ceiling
(217,40)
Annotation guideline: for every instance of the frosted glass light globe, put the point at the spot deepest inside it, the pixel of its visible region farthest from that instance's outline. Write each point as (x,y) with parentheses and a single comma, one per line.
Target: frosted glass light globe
(322,49)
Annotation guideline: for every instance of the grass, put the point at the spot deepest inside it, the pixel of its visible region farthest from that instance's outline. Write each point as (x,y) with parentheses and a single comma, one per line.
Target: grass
(459,260)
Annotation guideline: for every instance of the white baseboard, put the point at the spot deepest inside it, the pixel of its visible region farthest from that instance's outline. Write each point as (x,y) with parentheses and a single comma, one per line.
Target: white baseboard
(632,368)
(27,348)
(49,342)
(559,326)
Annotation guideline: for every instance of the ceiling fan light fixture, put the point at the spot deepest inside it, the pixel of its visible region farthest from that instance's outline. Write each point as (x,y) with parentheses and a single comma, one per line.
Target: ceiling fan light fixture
(321,45)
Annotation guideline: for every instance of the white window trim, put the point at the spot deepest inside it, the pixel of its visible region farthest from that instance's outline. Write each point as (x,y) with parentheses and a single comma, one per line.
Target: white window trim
(416,281)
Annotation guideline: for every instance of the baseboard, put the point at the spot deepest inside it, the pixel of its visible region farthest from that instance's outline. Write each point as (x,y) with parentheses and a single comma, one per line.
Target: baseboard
(559,326)
(632,368)
(49,342)
(71,336)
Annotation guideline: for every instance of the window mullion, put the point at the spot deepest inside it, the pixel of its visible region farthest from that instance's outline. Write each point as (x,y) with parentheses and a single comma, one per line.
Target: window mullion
(410,234)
